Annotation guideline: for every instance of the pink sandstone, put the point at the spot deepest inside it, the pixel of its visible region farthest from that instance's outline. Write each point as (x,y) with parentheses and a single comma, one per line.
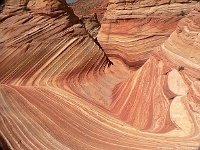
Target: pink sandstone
(132,29)
(59,90)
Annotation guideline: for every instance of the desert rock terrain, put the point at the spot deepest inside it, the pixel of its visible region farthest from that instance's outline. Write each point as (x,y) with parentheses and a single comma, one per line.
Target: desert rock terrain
(134,86)
(132,29)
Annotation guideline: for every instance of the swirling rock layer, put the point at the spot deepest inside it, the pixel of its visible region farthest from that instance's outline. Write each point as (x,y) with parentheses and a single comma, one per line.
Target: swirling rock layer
(132,29)
(59,90)
(160,91)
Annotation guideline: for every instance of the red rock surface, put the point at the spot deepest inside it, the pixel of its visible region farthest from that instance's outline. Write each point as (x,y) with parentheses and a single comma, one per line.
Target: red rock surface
(59,90)
(159,97)
(130,29)
(87,7)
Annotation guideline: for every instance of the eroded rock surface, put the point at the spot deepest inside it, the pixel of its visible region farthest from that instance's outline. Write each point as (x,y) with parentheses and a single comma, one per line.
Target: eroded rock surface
(59,90)
(132,29)
(88,7)
(161,97)
(91,24)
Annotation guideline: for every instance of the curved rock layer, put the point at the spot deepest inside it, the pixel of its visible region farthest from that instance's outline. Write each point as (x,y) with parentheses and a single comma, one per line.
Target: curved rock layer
(132,29)
(163,95)
(59,90)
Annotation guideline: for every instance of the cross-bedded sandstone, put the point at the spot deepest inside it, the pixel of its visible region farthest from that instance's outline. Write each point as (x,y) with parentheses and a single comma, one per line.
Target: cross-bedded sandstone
(59,90)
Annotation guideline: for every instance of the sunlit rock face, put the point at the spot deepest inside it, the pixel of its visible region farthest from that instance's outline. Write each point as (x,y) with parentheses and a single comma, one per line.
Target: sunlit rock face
(163,95)
(59,90)
(132,29)
(43,49)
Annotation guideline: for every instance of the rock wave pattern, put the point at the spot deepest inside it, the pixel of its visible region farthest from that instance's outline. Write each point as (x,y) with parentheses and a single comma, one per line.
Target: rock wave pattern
(59,90)
(132,29)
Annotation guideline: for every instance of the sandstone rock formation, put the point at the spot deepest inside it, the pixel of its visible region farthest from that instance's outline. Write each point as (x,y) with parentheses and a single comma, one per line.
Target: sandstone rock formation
(91,24)
(87,7)
(132,29)
(59,90)
(160,96)
(90,13)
